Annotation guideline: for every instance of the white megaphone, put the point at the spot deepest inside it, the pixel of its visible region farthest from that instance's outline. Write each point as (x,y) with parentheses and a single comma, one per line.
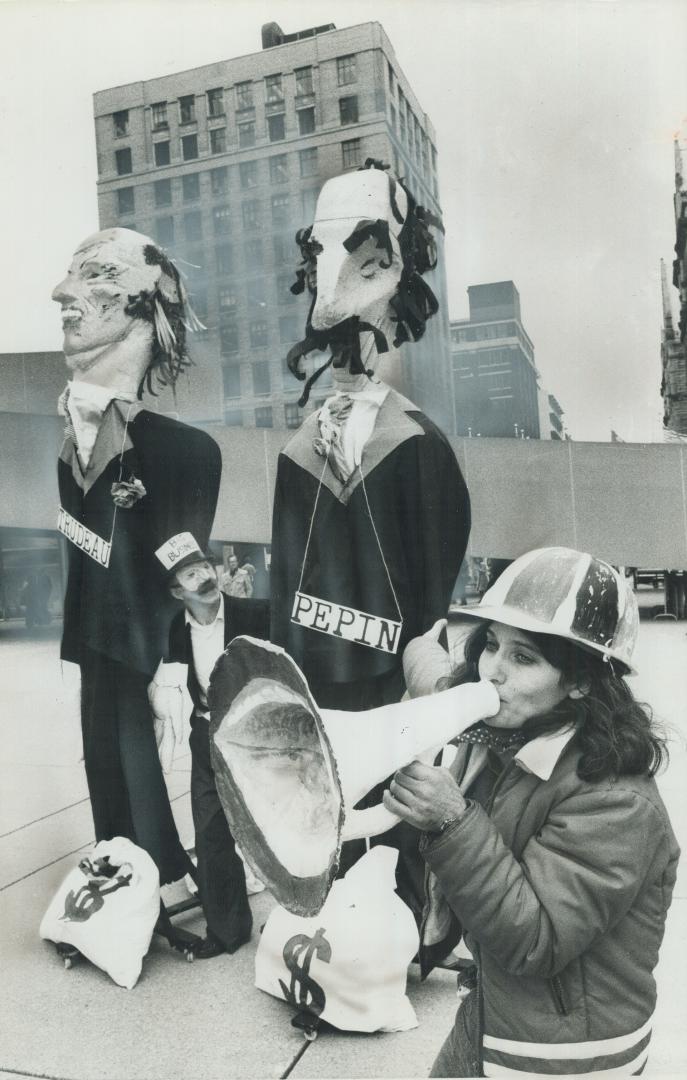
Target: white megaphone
(289,774)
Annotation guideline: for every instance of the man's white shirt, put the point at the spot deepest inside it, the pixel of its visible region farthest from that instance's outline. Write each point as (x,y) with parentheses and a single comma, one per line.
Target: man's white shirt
(207,643)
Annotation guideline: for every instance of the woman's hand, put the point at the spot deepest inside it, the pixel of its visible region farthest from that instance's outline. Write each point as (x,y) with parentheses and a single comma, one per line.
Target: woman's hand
(425,796)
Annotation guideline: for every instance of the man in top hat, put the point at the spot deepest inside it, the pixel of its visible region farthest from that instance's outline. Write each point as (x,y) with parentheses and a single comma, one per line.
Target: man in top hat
(198,636)
(129,479)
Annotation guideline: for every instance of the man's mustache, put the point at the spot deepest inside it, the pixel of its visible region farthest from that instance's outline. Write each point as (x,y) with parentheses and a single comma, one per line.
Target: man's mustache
(207,587)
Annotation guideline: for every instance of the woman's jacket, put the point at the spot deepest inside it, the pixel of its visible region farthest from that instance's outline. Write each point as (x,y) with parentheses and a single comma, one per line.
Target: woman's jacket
(561,890)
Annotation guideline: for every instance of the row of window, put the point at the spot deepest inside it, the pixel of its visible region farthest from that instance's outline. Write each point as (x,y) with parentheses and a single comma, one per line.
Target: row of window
(405,122)
(346,72)
(253,215)
(276,132)
(248,170)
(261,385)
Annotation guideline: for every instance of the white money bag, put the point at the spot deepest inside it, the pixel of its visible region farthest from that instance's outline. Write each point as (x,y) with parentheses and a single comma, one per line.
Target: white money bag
(348,964)
(107,907)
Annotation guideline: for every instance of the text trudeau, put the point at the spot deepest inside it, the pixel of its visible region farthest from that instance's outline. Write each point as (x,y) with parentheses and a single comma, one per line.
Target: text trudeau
(346,622)
(89,542)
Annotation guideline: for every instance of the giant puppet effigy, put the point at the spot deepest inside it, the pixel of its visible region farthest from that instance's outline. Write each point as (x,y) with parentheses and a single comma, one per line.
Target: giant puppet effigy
(371,512)
(130,481)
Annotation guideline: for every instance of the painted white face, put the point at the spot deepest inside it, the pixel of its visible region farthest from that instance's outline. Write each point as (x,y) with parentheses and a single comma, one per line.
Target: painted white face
(196,583)
(108,268)
(359,282)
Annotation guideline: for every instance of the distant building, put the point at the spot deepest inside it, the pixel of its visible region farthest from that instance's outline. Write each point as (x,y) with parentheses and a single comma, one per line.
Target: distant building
(551,422)
(495,391)
(222,164)
(674,341)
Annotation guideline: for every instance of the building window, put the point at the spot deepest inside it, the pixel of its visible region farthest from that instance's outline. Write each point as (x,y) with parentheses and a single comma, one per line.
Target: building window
(193,225)
(348,110)
(345,70)
(187,109)
(233,417)
(224,261)
(259,337)
(228,338)
(248,174)
(256,293)
(284,294)
(190,187)
(125,200)
(123,161)
(392,113)
(280,210)
(221,219)
(283,250)
(392,79)
(159,115)
(251,214)
(246,133)
(161,153)
(216,102)
(308,203)
(162,191)
(276,127)
(351,153)
(304,83)
(244,95)
(231,380)
(279,172)
(308,161)
(189,147)
(289,329)
(252,253)
(219,181)
(273,89)
(306,121)
(263,416)
(164,230)
(262,384)
(218,140)
(292,415)
(227,298)
(120,123)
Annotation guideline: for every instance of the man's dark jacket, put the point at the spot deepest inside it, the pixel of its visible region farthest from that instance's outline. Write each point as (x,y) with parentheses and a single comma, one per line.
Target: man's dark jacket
(124,611)
(241,616)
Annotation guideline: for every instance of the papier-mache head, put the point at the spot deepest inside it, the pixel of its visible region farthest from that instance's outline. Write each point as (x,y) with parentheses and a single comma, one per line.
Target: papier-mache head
(362,261)
(118,281)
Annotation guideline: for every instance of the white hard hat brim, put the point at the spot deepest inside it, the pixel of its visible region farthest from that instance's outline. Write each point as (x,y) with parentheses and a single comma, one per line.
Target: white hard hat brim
(510,616)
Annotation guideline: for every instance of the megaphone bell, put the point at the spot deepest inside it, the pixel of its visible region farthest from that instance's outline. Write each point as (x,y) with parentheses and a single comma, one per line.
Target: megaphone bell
(289,774)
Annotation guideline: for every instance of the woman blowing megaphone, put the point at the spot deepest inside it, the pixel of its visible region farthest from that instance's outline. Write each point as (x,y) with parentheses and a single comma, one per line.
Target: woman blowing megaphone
(549,847)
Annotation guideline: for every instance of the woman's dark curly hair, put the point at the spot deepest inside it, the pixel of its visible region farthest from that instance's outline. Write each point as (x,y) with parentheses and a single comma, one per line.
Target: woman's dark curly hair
(412,304)
(615,734)
(170,315)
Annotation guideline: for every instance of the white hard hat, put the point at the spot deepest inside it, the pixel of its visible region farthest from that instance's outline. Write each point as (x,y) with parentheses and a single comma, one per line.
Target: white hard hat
(568,594)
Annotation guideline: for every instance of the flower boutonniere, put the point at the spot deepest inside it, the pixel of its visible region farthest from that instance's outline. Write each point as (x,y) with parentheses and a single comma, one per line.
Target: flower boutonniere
(126,493)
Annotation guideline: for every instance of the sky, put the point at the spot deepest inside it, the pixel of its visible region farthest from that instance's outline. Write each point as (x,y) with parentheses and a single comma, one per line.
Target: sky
(555,124)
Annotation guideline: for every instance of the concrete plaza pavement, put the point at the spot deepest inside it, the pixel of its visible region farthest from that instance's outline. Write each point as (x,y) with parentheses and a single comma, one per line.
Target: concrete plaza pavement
(206,1020)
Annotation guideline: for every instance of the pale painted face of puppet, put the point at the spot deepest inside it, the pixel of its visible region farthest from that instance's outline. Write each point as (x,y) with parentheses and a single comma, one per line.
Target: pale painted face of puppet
(108,269)
(362,281)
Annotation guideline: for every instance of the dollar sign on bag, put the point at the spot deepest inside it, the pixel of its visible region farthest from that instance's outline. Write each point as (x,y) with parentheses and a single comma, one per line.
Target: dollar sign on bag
(298,953)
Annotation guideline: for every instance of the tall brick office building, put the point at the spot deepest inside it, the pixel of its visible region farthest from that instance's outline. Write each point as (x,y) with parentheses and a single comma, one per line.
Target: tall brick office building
(223,163)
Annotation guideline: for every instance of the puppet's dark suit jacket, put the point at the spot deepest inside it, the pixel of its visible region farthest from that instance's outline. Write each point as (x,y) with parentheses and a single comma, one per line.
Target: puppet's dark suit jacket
(420,507)
(124,610)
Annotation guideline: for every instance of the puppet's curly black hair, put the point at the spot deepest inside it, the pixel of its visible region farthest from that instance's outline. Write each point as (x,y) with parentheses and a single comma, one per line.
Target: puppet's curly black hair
(170,318)
(412,304)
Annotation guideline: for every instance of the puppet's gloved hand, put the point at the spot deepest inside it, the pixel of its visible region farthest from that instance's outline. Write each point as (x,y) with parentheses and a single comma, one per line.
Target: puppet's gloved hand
(425,661)
(166,698)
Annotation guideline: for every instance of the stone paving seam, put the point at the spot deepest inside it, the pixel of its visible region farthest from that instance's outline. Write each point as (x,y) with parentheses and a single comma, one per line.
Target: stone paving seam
(44,817)
(66,855)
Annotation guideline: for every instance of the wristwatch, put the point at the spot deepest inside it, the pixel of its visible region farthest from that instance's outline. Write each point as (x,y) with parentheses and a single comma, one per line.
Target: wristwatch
(446,823)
